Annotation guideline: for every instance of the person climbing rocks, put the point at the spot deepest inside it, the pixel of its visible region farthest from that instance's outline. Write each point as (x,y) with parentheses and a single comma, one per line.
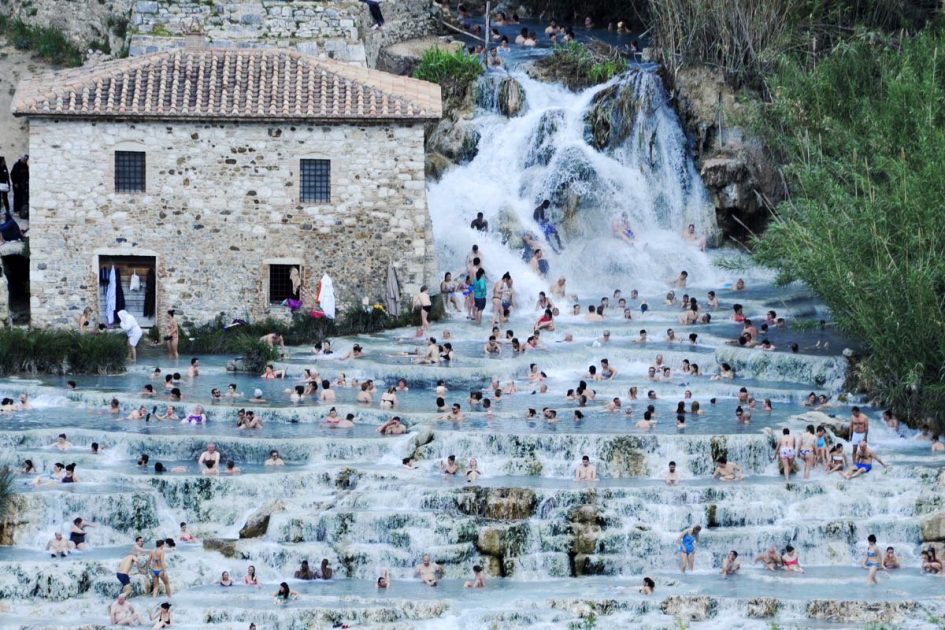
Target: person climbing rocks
(547,227)
(376,15)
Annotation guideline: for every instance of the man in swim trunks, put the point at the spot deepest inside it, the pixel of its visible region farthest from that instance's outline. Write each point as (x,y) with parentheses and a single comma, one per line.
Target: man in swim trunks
(585,470)
(124,571)
(730,565)
(547,228)
(158,565)
(786,451)
(429,571)
(859,428)
(863,461)
(121,613)
(392,427)
(620,227)
(58,546)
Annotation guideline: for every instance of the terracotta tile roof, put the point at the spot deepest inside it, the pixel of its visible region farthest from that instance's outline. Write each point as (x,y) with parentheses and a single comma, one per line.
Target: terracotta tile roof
(207,83)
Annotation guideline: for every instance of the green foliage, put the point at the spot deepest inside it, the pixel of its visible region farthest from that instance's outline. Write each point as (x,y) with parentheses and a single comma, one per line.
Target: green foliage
(243,341)
(48,43)
(863,137)
(60,352)
(454,71)
(579,66)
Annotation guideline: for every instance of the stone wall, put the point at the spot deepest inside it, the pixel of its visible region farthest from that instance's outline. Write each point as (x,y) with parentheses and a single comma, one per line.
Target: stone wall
(83,21)
(221,201)
(339,29)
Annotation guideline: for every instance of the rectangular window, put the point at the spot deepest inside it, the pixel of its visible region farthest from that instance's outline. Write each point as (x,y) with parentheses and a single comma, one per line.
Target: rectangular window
(280,283)
(129,171)
(315,186)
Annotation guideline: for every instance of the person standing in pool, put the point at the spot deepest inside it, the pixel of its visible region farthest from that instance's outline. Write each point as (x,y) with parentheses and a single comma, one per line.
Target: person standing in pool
(872,561)
(687,547)
(130,325)
(859,428)
(209,460)
(124,573)
(786,451)
(422,302)
(158,563)
(547,227)
(173,335)
(480,289)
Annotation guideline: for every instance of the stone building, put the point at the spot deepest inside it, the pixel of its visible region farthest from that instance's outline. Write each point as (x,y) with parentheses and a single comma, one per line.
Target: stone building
(209,174)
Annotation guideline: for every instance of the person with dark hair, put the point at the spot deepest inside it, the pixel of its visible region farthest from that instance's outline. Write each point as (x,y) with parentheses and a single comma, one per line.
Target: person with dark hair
(479,579)
(547,227)
(20,183)
(284,594)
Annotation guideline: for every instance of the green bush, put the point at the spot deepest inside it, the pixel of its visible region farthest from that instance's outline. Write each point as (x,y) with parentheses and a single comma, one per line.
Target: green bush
(454,71)
(863,137)
(48,43)
(243,341)
(60,352)
(579,66)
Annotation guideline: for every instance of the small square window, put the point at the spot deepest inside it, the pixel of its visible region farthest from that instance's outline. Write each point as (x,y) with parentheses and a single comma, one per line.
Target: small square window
(129,171)
(315,178)
(280,283)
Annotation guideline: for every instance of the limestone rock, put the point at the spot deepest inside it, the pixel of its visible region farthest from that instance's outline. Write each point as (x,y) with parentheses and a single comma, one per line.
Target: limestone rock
(689,608)
(404,57)
(737,170)
(226,546)
(839,427)
(455,138)
(863,612)
(933,528)
(258,522)
(624,457)
(434,165)
(511,97)
(763,607)
(498,503)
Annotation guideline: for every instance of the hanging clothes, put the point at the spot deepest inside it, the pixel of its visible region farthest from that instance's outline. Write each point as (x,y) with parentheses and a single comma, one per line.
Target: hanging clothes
(135,283)
(393,291)
(110,297)
(326,297)
(119,294)
(150,293)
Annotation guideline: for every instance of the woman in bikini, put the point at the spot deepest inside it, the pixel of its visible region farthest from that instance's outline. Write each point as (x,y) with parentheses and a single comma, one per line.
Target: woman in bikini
(785,451)
(790,561)
(872,562)
(807,450)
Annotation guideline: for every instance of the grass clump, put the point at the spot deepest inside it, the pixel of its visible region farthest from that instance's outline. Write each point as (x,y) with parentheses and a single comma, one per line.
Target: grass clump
(455,71)
(46,42)
(862,134)
(579,66)
(60,352)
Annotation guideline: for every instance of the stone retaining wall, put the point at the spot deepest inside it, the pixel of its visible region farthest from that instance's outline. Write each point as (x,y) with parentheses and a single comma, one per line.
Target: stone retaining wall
(339,29)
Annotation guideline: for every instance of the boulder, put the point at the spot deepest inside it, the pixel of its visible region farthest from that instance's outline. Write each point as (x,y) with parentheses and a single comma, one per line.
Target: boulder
(455,138)
(511,97)
(226,546)
(624,457)
(689,608)
(434,165)
(763,607)
(403,57)
(933,528)
(258,522)
(498,503)
(502,543)
(839,427)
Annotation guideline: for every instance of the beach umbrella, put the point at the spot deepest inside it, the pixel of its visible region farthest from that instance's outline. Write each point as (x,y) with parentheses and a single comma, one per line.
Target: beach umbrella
(326,297)
(393,292)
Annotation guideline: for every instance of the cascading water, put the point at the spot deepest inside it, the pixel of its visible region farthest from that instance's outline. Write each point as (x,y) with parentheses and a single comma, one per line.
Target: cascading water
(558,552)
(611,150)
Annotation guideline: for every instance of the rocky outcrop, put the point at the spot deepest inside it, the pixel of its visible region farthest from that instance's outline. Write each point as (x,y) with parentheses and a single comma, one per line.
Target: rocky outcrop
(585,526)
(404,57)
(511,97)
(933,528)
(226,546)
(610,120)
(863,612)
(763,607)
(840,428)
(743,179)
(689,608)
(498,503)
(499,544)
(624,457)
(258,523)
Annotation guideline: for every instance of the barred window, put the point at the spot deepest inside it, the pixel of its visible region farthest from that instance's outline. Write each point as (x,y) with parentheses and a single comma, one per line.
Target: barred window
(315,181)
(280,283)
(129,171)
